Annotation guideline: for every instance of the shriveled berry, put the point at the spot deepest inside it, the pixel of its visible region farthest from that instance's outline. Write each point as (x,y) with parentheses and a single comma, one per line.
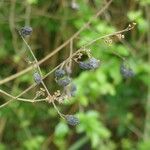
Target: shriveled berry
(72,120)
(59,73)
(83,65)
(25,31)
(125,71)
(89,64)
(94,63)
(64,81)
(37,78)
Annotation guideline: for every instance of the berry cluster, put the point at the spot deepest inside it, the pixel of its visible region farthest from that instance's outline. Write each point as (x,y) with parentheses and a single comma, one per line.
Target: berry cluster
(60,73)
(62,76)
(69,89)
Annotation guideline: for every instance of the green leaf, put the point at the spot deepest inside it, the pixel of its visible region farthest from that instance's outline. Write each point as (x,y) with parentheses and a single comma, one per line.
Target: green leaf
(61,130)
(33,143)
(134,15)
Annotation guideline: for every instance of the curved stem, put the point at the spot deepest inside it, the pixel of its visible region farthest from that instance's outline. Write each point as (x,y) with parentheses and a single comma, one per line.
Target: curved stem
(7,79)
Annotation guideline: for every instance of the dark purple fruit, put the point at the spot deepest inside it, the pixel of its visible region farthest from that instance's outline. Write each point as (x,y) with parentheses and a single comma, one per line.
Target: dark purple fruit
(89,64)
(59,73)
(37,78)
(26,31)
(64,81)
(72,120)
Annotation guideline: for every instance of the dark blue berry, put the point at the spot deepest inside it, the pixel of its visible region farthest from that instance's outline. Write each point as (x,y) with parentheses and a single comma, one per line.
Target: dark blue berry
(37,78)
(72,120)
(89,64)
(125,71)
(94,63)
(25,31)
(59,73)
(64,81)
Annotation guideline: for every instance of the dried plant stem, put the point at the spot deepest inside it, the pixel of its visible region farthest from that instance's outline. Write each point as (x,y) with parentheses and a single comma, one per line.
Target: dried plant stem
(46,88)
(50,72)
(70,57)
(36,61)
(6,103)
(60,114)
(18,99)
(108,35)
(39,69)
(21,99)
(71,52)
(7,79)
(64,62)
(49,95)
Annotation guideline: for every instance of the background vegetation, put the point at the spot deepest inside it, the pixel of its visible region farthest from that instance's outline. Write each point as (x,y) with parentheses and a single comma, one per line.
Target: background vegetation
(114,112)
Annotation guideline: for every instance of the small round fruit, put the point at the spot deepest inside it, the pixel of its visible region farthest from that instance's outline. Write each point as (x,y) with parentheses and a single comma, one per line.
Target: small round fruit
(26,31)
(37,78)
(64,81)
(59,73)
(72,120)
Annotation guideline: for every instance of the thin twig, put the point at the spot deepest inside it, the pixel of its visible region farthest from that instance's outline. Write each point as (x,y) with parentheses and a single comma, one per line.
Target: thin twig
(33,85)
(71,52)
(32,54)
(68,59)
(18,99)
(21,99)
(86,45)
(12,77)
(39,69)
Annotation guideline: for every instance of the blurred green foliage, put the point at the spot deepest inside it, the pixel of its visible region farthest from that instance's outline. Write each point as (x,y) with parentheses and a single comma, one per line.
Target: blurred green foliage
(111,109)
